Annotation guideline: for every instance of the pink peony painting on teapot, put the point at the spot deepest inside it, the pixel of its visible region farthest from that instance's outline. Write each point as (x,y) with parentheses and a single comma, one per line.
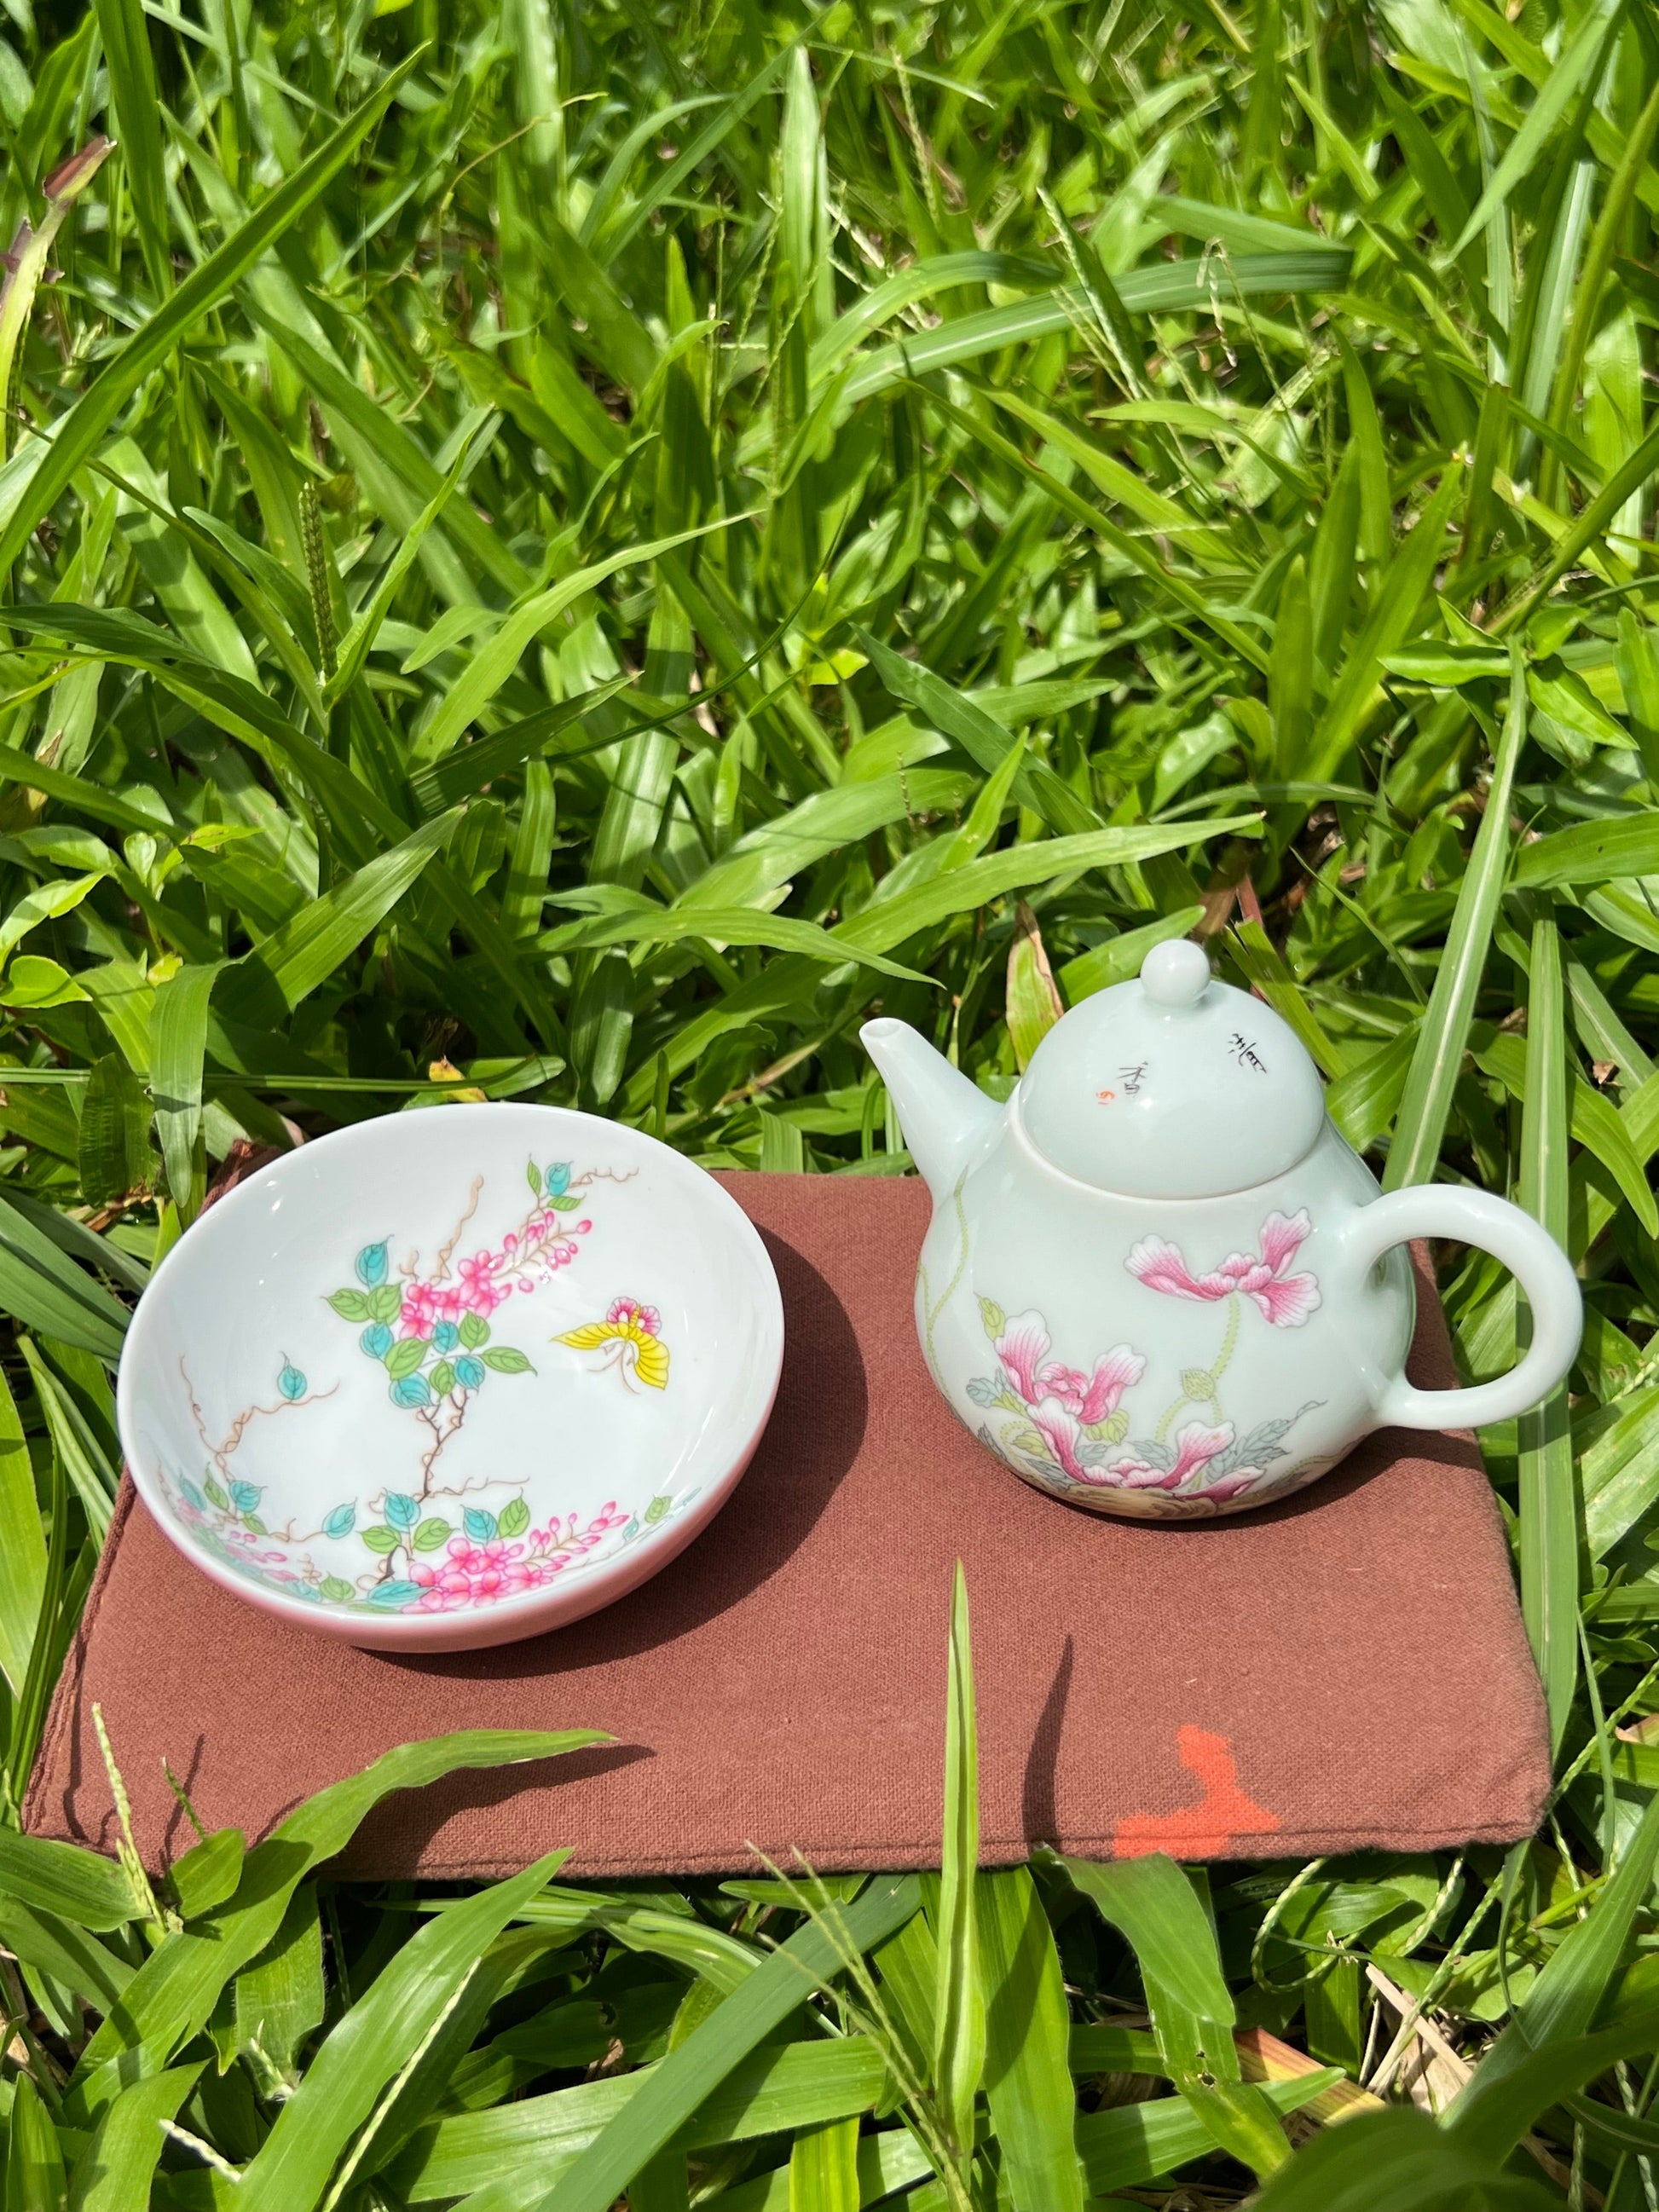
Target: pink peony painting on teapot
(1069,1429)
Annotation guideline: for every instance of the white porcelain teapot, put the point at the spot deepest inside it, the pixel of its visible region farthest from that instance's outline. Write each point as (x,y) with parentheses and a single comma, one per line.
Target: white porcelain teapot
(1158,1282)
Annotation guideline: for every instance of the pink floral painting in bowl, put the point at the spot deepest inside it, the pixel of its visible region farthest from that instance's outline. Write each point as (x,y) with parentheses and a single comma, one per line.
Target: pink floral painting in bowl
(452,1377)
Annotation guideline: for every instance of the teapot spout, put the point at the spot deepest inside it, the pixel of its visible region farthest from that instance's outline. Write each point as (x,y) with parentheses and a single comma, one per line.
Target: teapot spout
(946,1119)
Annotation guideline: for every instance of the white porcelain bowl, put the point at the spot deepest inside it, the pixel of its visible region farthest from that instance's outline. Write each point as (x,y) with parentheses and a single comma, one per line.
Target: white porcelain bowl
(451,1377)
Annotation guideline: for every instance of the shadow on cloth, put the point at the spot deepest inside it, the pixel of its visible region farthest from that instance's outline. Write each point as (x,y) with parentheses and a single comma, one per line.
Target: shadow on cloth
(811,1441)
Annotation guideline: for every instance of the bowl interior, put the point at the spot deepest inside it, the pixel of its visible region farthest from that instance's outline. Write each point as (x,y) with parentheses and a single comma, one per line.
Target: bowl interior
(449,1359)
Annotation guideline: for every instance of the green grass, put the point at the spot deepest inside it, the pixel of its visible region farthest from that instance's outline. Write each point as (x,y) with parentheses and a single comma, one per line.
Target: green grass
(572,553)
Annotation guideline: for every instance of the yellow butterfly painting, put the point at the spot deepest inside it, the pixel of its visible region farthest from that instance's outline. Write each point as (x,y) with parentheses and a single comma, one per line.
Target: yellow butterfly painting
(630,1337)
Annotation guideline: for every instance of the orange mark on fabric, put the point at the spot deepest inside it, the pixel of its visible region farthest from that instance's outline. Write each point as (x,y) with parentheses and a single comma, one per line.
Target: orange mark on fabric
(1223,1814)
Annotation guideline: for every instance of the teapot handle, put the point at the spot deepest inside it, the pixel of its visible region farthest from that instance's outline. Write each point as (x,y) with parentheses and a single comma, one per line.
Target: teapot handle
(1532,1256)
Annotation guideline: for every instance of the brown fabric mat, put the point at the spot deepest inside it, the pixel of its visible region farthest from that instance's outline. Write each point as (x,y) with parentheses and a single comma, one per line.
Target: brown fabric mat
(1343,1671)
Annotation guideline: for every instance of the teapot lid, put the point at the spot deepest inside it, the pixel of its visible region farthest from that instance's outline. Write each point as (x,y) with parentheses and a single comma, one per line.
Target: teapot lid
(1174,1086)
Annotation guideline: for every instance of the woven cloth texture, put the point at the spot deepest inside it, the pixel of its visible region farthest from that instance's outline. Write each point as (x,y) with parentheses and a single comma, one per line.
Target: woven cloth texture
(1275,1685)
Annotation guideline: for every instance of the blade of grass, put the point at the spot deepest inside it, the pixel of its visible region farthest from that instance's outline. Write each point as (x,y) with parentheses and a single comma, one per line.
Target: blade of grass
(294,960)
(959,2004)
(381,2034)
(178,1046)
(115,2171)
(1548,1503)
(1397,2161)
(1028,2083)
(1420,1126)
(22,1558)
(824,2169)
(136,102)
(1589,853)
(730,925)
(1154,1906)
(1169,287)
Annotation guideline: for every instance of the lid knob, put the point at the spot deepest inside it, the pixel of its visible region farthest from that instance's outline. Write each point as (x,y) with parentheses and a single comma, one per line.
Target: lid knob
(1177,974)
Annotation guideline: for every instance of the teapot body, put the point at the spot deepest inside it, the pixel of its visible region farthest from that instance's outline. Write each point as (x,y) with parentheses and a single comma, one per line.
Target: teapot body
(1158,1282)
(1166,1359)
